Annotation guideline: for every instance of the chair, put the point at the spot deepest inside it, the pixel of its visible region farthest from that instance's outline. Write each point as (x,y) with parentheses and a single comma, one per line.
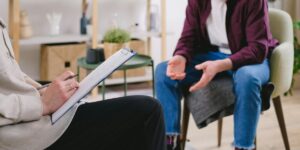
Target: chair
(281,72)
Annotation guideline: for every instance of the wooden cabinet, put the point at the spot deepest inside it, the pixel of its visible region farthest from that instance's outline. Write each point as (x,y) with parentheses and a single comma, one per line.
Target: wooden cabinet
(58,58)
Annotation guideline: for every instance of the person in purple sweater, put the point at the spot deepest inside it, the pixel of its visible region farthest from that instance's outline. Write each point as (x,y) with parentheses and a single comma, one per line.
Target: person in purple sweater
(220,37)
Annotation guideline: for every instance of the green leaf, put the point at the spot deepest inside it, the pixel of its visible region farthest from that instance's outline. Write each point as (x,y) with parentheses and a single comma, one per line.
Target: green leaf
(297,25)
(116,35)
(296,68)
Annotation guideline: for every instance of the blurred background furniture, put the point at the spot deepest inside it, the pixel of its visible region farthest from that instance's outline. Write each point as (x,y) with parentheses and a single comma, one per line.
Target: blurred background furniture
(281,72)
(138,61)
(57,58)
(14,30)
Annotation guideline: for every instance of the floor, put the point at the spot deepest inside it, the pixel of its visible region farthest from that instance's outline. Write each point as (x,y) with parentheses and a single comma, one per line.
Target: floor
(268,138)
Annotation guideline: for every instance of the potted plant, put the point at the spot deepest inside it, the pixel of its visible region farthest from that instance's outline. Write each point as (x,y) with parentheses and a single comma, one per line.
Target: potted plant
(115,39)
(296,57)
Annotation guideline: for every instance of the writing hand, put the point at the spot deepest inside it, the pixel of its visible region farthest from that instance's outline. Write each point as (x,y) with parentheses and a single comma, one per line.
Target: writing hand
(58,92)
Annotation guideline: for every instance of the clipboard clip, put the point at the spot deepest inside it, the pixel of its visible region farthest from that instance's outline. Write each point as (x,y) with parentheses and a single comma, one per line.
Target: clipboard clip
(125,51)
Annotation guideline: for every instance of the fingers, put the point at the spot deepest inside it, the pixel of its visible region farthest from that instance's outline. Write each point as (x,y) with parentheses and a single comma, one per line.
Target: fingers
(180,76)
(201,66)
(175,76)
(65,75)
(175,70)
(205,79)
(71,92)
(70,85)
(170,73)
(170,68)
(171,62)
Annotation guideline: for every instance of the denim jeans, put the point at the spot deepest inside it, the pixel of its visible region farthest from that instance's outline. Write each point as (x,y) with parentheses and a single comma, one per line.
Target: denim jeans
(248,81)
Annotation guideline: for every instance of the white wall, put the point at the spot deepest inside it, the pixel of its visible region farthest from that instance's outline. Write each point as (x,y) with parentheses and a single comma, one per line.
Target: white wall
(276,4)
(128,13)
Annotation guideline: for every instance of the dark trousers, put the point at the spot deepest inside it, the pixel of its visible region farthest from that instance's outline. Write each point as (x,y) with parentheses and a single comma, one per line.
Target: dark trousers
(126,123)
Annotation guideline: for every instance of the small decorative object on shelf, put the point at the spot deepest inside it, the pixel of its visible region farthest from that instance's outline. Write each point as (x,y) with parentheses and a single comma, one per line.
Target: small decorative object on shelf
(54,21)
(84,20)
(25,27)
(154,23)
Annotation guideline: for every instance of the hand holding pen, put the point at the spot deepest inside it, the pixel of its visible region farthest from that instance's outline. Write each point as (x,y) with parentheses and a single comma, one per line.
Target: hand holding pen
(46,85)
(58,92)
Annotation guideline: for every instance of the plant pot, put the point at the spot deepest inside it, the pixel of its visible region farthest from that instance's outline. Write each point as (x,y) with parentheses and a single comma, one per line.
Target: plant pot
(111,48)
(138,46)
(94,56)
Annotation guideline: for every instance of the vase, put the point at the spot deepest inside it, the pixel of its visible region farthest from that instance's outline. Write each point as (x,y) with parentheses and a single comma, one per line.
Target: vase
(25,27)
(83,24)
(94,56)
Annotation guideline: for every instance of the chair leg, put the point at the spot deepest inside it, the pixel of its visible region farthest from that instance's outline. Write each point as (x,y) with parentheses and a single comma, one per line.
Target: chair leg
(153,79)
(280,117)
(255,143)
(185,124)
(220,124)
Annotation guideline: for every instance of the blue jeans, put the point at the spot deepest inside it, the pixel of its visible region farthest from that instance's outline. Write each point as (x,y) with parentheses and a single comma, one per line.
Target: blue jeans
(248,81)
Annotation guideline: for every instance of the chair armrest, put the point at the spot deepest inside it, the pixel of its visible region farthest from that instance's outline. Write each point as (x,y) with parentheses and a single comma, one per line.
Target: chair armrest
(282,61)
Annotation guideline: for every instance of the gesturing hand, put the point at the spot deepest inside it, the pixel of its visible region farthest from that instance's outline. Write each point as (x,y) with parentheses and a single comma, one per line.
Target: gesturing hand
(176,67)
(58,92)
(210,69)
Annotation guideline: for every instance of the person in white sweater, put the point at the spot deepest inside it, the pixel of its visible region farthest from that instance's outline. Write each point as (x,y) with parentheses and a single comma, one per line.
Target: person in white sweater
(134,122)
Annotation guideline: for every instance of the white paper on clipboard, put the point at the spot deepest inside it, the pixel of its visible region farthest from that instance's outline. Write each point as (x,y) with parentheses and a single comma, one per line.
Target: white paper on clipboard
(93,79)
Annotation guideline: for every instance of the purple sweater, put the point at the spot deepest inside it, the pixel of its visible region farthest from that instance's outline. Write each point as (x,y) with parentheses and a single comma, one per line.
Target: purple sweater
(248,31)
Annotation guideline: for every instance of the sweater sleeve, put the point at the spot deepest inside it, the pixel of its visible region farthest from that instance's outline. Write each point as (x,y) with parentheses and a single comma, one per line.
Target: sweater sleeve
(256,29)
(31,81)
(186,44)
(19,108)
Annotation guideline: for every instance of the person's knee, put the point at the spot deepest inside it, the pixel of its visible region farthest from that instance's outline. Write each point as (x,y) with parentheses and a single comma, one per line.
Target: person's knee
(247,86)
(146,104)
(247,78)
(153,103)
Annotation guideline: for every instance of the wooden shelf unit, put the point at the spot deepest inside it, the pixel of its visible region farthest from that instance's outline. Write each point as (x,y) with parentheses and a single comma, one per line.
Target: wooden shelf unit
(54,39)
(14,26)
(14,31)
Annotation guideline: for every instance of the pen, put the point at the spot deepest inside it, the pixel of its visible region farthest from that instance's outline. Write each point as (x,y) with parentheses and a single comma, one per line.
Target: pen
(46,85)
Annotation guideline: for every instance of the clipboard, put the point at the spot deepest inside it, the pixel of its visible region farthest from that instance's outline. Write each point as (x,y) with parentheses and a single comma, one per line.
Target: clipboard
(93,79)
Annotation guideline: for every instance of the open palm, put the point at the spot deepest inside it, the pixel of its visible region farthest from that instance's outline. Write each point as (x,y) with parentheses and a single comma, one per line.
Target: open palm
(176,68)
